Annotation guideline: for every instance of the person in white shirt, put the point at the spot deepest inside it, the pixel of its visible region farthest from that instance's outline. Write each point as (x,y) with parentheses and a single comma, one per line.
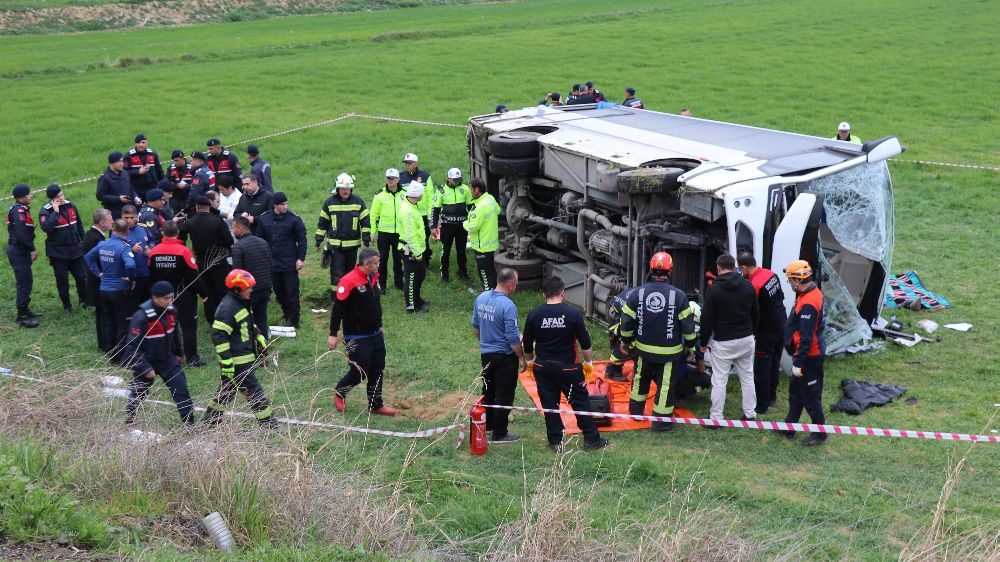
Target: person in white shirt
(229,197)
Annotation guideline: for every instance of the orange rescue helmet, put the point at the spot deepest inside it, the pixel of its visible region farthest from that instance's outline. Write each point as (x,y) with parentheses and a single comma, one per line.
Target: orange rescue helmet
(799,269)
(661,261)
(240,279)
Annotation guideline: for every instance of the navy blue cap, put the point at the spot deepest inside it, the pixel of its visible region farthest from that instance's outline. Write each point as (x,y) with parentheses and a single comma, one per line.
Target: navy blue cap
(252,149)
(278,198)
(161,289)
(20,190)
(213,142)
(53,191)
(501,108)
(630,90)
(140,137)
(154,194)
(199,155)
(177,154)
(115,157)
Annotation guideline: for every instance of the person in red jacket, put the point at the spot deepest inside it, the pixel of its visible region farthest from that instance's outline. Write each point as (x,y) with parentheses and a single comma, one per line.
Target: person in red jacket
(807,346)
(358,307)
(770,330)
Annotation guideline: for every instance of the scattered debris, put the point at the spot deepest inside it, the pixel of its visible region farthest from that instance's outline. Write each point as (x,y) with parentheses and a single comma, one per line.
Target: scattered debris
(861,395)
(961,326)
(928,325)
(282,331)
(911,400)
(319,310)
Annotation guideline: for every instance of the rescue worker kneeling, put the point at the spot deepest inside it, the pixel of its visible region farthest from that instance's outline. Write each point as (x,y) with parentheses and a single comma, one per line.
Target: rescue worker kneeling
(154,348)
(238,344)
(658,318)
(553,330)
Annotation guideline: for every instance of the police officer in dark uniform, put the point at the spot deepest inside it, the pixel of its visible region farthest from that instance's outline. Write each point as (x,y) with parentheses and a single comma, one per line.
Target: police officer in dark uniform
(143,166)
(64,245)
(260,168)
(555,336)
(238,344)
(154,348)
(180,173)
(202,181)
(152,215)
(450,209)
(114,187)
(21,252)
(173,262)
(285,233)
(98,233)
(211,241)
(658,318)
(114,262)
(224,163)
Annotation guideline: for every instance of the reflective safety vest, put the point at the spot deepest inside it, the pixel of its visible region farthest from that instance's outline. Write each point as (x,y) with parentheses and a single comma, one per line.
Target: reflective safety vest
(344,224)
(410,226)
(451,204)
(427,202)
(483,224)
(385,211)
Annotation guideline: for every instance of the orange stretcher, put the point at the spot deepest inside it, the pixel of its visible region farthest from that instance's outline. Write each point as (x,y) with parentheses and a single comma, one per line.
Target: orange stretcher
(619,398)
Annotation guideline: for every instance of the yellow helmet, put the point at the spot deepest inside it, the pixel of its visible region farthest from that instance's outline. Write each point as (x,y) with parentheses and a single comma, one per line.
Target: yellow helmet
(798,269)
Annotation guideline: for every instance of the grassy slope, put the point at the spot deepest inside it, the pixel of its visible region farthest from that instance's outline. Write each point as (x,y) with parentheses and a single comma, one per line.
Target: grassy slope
(763,63)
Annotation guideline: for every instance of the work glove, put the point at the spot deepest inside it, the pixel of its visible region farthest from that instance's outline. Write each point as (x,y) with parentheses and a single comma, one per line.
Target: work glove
(228,370)
(797,372)
(588,371)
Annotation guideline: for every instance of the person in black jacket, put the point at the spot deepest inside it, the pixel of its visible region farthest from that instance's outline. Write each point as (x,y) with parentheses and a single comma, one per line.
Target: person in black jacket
(202,181)
(143,166)
(729,320)
(254,203)
(770,331)
(64,245)
(154,348)
(358,307)
(253,254)
(104,327)
(260,168)
(21,252)
(211,242)
(114,188)
(285,233)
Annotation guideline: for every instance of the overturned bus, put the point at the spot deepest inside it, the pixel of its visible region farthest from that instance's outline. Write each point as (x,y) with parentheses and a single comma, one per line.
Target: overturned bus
(589,193)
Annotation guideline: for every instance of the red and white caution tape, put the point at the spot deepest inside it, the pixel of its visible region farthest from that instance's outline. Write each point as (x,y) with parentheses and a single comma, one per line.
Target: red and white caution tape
(949,164)
(783,426)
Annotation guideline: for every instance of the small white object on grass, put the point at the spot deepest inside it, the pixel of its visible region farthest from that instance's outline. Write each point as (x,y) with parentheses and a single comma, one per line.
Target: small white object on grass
(961,326)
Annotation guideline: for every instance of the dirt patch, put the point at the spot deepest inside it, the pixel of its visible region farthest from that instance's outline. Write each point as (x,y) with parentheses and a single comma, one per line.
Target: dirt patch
(430,407)
(157,13)
(46,551)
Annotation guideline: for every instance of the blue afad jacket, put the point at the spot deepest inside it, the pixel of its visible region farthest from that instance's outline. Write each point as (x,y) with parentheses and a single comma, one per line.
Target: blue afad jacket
(658,318)
(153,339)
(114,262)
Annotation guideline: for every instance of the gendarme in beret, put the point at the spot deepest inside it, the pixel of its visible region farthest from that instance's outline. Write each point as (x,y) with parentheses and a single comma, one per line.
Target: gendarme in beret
(53,191)
(20,190)
(161,289)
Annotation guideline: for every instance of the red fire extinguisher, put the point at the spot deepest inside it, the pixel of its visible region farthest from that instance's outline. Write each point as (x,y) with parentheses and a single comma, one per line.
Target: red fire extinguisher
(477,436)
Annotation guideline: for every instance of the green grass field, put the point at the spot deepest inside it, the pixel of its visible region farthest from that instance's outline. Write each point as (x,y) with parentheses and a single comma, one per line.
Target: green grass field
(923,71)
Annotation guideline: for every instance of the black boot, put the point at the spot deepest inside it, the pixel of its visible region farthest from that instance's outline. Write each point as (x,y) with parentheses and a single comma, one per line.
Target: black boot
(25,320)
(636,408)
(614,372)
(212,417)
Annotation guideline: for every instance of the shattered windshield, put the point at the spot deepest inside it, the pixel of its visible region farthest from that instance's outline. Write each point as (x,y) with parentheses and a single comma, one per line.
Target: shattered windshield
(858,209)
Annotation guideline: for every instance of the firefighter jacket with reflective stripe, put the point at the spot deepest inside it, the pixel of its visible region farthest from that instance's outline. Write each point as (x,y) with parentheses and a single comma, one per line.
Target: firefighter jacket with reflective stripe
(659,319)
(64,230)
(344,224)
(20,228)
(172,261)
(804,331)
(358,306)
(483,224)
(617,305)
(423,177)
(451,204)
(152,338)
(412,238)
(226,164)
(236,338)
(385,211)
(134,161)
